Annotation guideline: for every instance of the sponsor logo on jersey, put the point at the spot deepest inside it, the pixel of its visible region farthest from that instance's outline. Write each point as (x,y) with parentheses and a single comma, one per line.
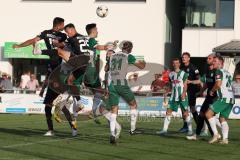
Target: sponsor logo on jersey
(175,81)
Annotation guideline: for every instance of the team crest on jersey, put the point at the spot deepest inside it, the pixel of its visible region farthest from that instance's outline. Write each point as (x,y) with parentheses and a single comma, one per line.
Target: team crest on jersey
(218,76)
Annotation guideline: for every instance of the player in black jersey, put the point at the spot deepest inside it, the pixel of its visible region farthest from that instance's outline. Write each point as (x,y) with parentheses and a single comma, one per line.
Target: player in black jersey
(76,53)
(53,38)
(193,74)
(208,81)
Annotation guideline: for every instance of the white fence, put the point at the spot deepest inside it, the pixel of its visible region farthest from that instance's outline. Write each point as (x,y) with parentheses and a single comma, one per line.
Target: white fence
(148,106)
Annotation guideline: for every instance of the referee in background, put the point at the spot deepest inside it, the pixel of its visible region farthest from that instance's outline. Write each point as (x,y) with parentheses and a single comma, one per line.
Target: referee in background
(193,74)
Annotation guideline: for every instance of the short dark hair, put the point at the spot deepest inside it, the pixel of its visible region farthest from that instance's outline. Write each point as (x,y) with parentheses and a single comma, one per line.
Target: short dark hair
(219,57)
(57,21)
(127,46)
(186,53)
(176,59)
(70,25)
(89,27)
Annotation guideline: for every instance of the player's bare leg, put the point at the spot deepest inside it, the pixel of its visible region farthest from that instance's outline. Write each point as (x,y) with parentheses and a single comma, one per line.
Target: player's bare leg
(101,111)
(113,120)
(212,122)
(187,119)
(225,130)
(167,121)
(48,114)
(65,55)
(133,117)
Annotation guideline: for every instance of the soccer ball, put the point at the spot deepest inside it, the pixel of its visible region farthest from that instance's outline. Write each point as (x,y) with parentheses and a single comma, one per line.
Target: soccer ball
(102,11)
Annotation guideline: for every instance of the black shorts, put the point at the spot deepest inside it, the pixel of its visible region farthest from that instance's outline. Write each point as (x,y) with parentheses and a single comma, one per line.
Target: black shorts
(207,102)
(192,99)
(51,95)
(79,72)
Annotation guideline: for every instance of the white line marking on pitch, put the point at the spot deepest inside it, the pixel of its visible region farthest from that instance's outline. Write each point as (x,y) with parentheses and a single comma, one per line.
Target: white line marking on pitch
(47,141)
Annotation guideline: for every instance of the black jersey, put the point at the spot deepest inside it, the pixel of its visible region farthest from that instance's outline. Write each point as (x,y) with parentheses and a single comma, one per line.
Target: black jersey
(50,35)
(193,74)
(80,55)
(192,71)
(209,80)
(78,44)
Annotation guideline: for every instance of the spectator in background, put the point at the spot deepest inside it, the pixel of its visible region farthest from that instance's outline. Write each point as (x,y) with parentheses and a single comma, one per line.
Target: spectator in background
(236,86)
(24,79)
(160,84)
(134,83)
(32,85)
(6,84)
(157,84)
(165,76)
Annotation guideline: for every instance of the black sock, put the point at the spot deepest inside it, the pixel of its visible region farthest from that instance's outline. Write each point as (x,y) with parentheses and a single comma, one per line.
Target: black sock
(209,127)
(50,52)
(48,114)
(185,124)
(77,98)
(195,117)
(199,124)
(67,115)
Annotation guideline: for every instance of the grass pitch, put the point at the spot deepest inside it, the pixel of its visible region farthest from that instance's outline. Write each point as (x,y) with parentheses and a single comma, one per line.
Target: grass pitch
(21,138)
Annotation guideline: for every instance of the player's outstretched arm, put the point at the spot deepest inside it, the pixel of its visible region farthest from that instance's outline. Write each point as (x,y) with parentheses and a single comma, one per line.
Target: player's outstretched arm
(27,43)
(140,64)
(101,47)
(108,46)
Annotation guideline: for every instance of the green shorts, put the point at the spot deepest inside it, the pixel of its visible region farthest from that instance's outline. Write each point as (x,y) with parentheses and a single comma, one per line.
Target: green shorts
(78,81)
(173,105)
(91,77)
(117,91)
(222,107)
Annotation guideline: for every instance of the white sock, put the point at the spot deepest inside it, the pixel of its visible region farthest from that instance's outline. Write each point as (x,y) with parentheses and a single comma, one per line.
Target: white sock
(96,103)
(133,118)
(218,122)
(113,119)
(189,123)
(75,107)
(167,121)
(225,129)
(212,122)
(108,116)
(205,127)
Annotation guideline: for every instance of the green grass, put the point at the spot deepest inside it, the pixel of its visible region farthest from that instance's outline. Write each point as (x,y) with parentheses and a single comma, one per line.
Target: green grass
(21,139)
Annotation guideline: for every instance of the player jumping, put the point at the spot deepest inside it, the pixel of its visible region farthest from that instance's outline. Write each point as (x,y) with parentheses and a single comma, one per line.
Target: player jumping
(118,86)
(91,78)
(53,38)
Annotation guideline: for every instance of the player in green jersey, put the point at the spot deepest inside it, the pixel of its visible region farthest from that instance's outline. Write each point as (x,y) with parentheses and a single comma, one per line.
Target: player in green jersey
(224,103)
(178,97)
(118,86)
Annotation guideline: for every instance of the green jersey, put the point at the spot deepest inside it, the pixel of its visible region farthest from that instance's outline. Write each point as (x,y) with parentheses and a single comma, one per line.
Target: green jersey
(119,63)
(92,43)
(225,93)
(177,80)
